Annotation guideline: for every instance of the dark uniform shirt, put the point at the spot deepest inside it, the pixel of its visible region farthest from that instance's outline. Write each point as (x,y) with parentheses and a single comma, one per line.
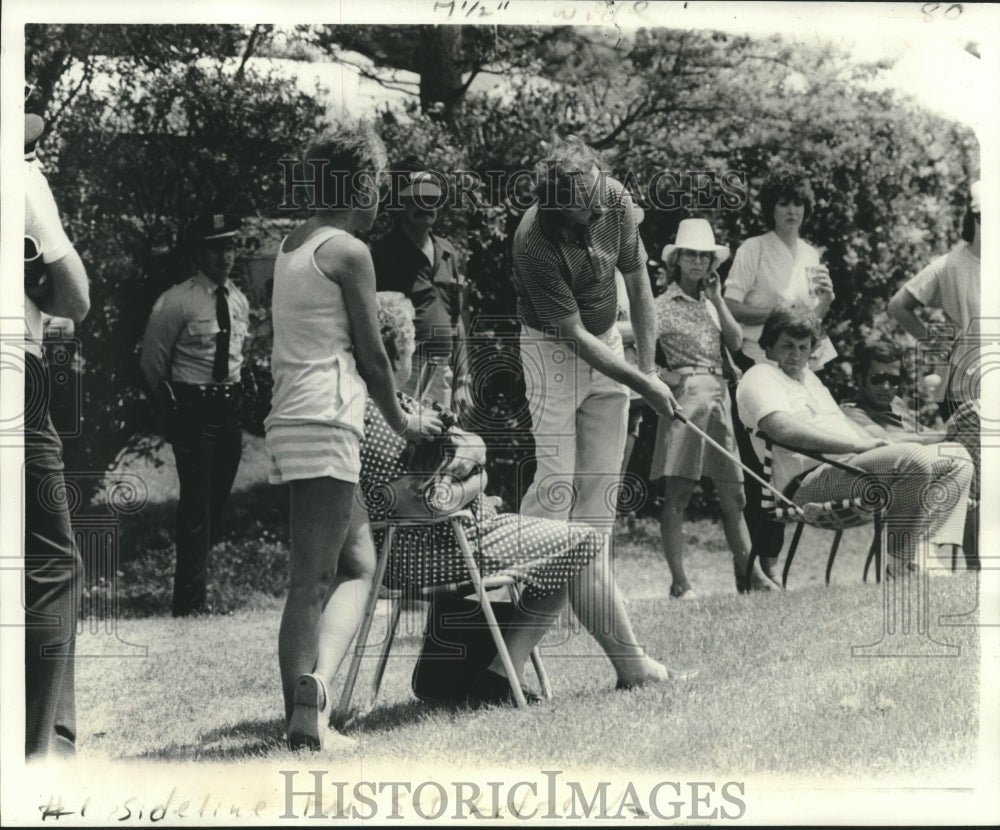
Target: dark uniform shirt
(435,288)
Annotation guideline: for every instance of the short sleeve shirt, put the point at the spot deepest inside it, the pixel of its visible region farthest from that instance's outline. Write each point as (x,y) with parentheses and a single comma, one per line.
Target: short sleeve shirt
(41,220)
(951,283)
(555,278)
(765,389)
(179,343)
(766,274)
(687,329)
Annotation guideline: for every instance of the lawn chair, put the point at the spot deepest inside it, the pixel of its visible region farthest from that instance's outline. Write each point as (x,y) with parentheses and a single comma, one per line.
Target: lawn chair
(833,516)
(476,586)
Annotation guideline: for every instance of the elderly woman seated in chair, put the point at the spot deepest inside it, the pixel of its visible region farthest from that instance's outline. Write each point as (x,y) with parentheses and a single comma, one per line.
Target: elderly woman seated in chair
(556,562)
(927,486)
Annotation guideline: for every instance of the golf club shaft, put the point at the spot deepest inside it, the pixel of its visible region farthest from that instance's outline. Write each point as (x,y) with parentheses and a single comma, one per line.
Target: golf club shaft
(722,449)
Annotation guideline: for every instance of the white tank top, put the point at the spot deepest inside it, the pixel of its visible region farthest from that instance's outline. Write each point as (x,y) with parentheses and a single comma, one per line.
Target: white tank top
(316,380)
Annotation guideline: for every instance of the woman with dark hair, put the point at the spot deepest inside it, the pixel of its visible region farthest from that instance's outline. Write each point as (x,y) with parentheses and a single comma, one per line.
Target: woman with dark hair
(692,324)
(775,269)
(327,359)
(779,268)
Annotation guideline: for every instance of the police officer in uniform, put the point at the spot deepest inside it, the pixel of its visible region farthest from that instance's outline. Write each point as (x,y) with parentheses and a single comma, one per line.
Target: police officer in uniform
(192,355)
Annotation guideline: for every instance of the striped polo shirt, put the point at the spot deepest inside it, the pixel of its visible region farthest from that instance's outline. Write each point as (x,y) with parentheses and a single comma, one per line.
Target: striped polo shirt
(555,277)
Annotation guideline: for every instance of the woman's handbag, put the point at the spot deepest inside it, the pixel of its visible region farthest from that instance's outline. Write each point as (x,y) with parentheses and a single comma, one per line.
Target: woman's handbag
(455,454)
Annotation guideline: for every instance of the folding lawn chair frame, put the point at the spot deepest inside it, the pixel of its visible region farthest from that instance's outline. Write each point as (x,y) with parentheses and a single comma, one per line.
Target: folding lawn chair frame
(476,585)
(835,516)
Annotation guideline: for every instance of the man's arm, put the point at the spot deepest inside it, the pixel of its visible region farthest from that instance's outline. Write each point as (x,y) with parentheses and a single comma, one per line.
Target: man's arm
(751,315)
(348,263)
(862,419)
(642,316)
(784,428)
(162,330)
(902,307)
(70,288)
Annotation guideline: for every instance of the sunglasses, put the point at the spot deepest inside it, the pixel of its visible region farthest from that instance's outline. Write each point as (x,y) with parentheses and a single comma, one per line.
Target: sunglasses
(696,256)
(879,378)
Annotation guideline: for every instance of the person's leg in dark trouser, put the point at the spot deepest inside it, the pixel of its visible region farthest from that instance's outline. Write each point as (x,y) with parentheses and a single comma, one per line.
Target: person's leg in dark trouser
(227,449)
(193,454)
(767,536)
(52,583)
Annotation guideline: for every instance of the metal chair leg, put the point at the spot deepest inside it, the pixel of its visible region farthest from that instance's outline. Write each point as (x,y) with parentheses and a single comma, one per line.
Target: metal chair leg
(833,554)
(364,630)
(383,657)
(880,542)
(487,609)
(791,554)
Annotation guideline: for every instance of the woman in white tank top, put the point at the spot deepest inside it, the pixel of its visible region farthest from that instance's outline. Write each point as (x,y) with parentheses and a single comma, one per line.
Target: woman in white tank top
(328,356)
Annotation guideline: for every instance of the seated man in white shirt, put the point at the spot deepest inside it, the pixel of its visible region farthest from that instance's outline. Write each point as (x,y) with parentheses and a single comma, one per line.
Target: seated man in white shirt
(928,485)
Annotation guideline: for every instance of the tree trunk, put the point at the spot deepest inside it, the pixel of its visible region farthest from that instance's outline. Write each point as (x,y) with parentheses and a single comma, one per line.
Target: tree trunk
(441,72)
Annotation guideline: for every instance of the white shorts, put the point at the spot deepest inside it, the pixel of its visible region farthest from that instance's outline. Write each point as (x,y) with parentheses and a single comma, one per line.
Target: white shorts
(301,451)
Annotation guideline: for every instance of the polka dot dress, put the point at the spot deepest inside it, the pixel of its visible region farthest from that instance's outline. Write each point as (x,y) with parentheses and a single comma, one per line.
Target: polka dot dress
(543,554)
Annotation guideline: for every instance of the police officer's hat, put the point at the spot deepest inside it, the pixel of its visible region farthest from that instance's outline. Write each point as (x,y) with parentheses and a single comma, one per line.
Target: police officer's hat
(212,226)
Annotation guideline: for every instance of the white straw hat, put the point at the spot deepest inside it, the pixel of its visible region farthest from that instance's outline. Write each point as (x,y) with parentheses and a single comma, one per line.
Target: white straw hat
(697,235)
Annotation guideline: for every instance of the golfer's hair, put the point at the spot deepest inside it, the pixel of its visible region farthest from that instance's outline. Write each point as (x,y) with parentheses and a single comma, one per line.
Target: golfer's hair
(345,161)
(879,352)
(563,170)
(796,321)
(395,322)
(778,188)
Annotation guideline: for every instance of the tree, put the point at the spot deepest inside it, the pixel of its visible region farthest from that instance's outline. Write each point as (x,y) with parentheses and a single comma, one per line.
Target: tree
(446,59)
(142,140)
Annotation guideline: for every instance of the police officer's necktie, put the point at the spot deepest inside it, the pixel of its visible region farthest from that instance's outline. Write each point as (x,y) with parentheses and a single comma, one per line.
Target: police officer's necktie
(220,368)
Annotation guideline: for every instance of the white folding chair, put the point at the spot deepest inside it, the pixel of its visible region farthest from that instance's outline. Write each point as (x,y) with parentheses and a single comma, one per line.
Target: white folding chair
(475,585)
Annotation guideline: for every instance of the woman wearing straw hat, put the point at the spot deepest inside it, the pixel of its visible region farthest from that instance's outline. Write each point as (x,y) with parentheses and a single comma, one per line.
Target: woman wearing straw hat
(692,324)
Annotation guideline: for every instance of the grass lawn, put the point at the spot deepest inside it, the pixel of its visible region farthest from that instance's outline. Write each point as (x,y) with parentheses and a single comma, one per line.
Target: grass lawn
(779,691)
(782,705)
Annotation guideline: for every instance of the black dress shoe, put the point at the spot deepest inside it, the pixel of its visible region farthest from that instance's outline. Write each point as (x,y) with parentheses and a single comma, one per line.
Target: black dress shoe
(492,689)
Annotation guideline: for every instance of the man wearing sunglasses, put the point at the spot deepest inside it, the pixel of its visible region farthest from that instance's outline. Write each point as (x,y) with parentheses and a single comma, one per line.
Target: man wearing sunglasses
(424,266)
(877,407)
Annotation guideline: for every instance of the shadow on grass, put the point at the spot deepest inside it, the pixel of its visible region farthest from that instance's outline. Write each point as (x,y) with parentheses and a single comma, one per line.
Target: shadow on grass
(247,739)
(392,716)
(262,738)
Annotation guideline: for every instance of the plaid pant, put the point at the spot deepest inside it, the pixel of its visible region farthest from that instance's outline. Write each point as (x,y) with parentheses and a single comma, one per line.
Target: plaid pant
(925,490)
